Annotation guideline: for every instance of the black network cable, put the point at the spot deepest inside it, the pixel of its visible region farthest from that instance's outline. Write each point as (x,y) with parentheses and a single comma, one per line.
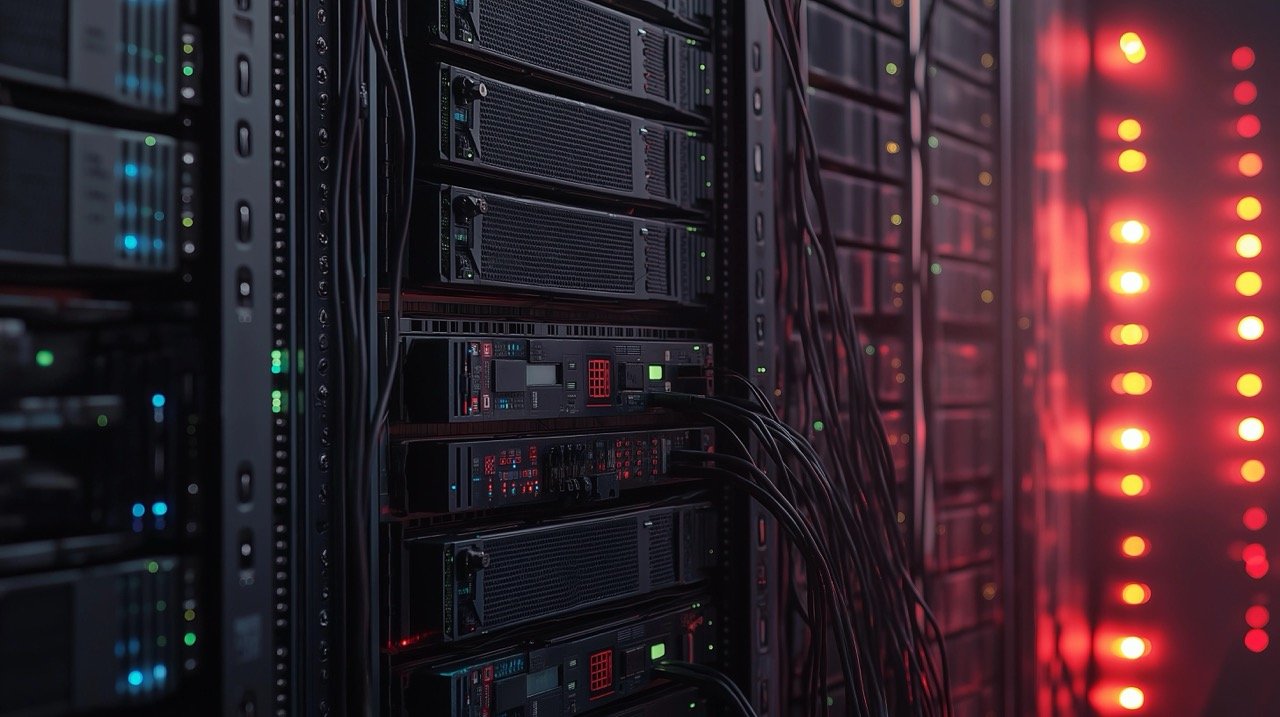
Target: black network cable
(705,677)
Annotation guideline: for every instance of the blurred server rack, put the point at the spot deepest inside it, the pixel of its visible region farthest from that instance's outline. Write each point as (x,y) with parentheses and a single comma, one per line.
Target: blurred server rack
(109,571)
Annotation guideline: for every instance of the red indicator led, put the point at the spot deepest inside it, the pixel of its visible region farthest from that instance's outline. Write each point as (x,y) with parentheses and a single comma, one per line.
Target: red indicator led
(1243,58)
(1257,616)
(1256,640)
(1255,518)
(599,385)
(1245,93)
(1249,126)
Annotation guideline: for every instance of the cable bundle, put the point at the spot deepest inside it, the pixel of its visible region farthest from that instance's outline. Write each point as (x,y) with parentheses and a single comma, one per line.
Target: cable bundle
(873,604)
(363,414)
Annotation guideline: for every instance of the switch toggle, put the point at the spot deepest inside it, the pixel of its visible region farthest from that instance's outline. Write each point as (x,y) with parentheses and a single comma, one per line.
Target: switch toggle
(468,89)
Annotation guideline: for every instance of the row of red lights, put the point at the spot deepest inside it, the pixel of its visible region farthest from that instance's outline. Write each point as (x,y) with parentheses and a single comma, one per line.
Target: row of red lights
(1126,281)
(1249,284)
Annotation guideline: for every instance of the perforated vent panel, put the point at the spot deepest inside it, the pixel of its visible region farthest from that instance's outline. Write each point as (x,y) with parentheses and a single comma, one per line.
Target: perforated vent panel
(662,555)
(655,66)
(33,35)
(655,163)
(34,202)
(541,246)
(566,36)
(559,569)
(657,265)
(537,134)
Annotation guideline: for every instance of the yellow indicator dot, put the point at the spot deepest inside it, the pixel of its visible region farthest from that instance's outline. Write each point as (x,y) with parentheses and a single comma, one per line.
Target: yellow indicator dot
(892,147)
(1130,231)
(988,60)
(1131,160)
(1132,647)
(985,178)
(1132,698)
(1129,129)
(896,220)
(1132,439)
(1249,283)
(1133,485)
(1250,164)
(1129,334)
(1129,282)
(1253,470)
(1134,546)
(1248,246)
(1135,594)
(1251,429)
(1133,48)
(1249,385)
(987,296)
(1249,208)
(1250,328)
(1131,383)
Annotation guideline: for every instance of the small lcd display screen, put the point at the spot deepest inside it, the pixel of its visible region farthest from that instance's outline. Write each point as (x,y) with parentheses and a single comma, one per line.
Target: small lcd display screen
(540,375)
(539,682)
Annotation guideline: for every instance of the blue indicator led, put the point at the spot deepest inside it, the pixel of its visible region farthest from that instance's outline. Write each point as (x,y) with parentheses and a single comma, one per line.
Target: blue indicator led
(135,677)
(157,244)
(130,170)
(139,510)
(130,242)
(159,507)
(157,400)
(160,672)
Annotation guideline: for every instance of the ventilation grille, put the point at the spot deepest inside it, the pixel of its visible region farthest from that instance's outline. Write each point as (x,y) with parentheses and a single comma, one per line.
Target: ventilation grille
(33,36)
(33,189)
(146,43)
(541,246)
(144,203)
(655,163)
(544,136)
(566,36)
(532,574)
(655,65)
(662,551)
(657,263)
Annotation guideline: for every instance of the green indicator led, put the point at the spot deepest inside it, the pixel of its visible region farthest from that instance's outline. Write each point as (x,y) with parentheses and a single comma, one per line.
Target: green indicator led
(935,268)
(189,615)
(161,605)
(153,567)
(891,68)
(702,66)
(693,705)
(188,70)
(150,141)
(934,199)
(188,48)
(277,401)
(44,358)
(761,369)
(188,222)
(189,639)
(702,255)
(657,651)
(819,425)
(933,142)
(871,350)
(102,420)
(655,372)
(277,364)
(697,348)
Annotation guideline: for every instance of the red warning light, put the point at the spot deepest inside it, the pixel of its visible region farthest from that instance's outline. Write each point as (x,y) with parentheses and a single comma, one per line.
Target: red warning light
(599,383)
(1245,93)
(1255,518)
(1257,616)
(1243,58)
(1248,126)
(1256,640)
(600,673)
